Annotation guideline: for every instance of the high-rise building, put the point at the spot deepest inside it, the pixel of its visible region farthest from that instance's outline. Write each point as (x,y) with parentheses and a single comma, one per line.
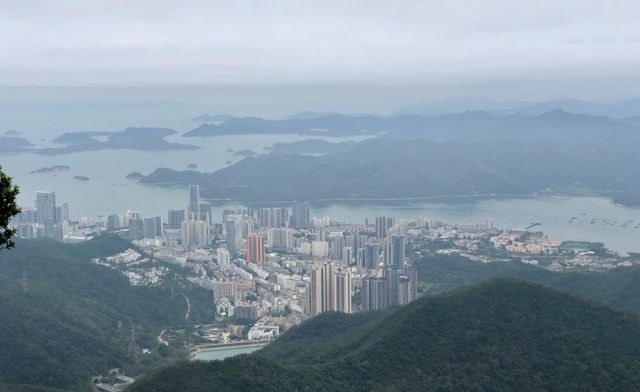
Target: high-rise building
(224,289)
(383,223)
(223,258)
(360,257)
(391,285)
(411,273)
(130,215)
(62,213)
(398,246)
(46,208)
(153,227)
(246,311)
(336,245)
(371,256)
(280,238)
(301,215)
(136,228)
(195,233)
(233,234)
(330,290)
(204,212)
(343,290)
(194,202)
(272,217)
(320,249)
(374,293)
(255,248)
(176,217)
(114,222)
(347,255)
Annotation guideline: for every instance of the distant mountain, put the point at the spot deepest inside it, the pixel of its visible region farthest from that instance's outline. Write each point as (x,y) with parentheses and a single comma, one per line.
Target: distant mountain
(64,319)
(309,115)
(601,163)
(618,109)
(133,138)
(634,120)
(559,126)
(440,128)
(312,146)
(9,144)
(500,335)
(80,137)
(12,132)
(459,104)
(212,118)
(51,169)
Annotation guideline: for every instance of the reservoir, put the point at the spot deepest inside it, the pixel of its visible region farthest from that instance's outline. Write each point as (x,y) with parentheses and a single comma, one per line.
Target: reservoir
(222,353)
(108,192)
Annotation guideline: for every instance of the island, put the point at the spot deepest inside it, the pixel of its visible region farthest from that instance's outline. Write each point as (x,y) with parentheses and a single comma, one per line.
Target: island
(14,145)
(212,118)
(135,176)
(312,146)
(140,139)
(192,166)
(81,178)
(245,153)
(50,169)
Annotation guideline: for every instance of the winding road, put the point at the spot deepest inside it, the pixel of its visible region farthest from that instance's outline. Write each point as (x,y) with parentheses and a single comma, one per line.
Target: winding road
(186,316)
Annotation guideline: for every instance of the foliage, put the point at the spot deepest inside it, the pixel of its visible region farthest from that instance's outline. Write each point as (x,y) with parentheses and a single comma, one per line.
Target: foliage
(501,335)
(617,287)
(8,209)
(64,319)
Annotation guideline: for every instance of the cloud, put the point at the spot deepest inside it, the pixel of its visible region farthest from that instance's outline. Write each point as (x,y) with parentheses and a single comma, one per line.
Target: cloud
(323,42)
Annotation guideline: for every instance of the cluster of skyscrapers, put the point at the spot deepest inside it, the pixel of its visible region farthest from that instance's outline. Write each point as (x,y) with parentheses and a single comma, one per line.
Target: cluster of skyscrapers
(47,219)
(389,286)
(330,289)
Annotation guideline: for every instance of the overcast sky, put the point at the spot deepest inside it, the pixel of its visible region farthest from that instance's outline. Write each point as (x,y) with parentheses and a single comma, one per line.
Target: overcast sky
(387,43)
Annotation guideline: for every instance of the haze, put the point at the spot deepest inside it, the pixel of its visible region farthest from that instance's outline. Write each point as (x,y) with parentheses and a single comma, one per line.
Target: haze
(506,50)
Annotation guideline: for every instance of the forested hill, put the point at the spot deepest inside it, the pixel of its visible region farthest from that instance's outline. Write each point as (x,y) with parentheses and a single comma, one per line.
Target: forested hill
(389,168)
(64,319)
(500,335)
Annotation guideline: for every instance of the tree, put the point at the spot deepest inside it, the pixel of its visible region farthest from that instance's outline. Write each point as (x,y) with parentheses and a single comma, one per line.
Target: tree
(8,209)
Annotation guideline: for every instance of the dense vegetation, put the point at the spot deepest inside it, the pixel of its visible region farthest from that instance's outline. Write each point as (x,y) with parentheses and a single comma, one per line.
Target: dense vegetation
(500,335)
(617,287)
(8,209)
(64,319)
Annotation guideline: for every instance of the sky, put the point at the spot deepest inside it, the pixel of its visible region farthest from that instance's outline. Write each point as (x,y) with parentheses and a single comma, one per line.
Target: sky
(505,49)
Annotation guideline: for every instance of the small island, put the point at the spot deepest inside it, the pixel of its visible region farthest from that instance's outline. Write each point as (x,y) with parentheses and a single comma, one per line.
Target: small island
(213,118)
(227,162)
(245,153)
(135,176)
(12,132)
(81,178)
(191,166)
(50,169)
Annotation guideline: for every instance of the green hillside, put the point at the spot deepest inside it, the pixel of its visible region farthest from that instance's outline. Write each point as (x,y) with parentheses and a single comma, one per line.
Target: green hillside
(617,287)
(503,335)
(64,319)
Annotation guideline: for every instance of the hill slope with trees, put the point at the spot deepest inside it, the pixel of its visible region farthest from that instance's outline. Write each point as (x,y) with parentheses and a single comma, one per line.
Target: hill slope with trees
(500,335)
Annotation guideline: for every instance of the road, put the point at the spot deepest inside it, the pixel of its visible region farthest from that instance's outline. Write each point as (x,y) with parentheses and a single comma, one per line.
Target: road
(186,316)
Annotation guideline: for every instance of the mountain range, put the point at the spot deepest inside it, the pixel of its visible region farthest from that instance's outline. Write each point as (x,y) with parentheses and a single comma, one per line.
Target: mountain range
(554,152)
